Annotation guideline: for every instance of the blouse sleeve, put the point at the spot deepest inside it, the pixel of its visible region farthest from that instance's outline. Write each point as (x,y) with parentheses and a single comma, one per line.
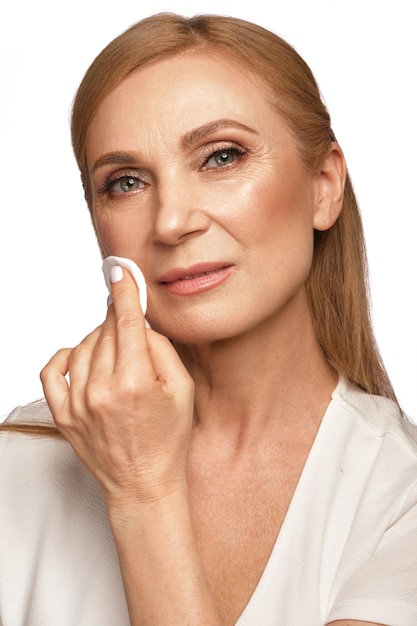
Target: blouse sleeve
(384,588)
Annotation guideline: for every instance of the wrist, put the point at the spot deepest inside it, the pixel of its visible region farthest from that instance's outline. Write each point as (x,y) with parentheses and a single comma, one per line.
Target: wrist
(157,550)
(157,503)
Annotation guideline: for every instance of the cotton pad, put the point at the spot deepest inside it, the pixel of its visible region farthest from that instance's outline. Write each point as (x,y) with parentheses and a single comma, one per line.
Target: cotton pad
(137,275)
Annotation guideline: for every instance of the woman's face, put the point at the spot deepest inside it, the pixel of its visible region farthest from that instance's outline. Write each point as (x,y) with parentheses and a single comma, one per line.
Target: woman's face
(196,178)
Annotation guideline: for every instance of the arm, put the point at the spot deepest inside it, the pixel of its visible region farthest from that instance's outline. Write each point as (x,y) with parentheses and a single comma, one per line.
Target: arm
(128,413)
(162,572)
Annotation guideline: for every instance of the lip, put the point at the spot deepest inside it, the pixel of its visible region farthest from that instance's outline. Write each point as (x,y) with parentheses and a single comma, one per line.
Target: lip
(196,278)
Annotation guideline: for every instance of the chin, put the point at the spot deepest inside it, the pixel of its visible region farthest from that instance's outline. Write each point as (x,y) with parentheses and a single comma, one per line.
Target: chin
(191,334)
(204,330)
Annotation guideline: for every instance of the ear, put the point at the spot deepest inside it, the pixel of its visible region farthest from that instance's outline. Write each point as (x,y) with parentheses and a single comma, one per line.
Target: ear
(329,189)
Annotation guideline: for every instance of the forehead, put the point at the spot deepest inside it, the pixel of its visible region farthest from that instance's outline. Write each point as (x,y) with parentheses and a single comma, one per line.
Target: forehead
(179,93)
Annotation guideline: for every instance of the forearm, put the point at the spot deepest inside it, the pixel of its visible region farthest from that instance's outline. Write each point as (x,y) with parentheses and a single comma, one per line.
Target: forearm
(163,575)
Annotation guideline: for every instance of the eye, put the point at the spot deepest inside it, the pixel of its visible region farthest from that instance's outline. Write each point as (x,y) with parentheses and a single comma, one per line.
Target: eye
(224,157)
(125,184)
(117,185)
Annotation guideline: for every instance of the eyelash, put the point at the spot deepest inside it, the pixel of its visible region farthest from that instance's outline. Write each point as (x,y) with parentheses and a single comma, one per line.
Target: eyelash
(109,183)
(238,152)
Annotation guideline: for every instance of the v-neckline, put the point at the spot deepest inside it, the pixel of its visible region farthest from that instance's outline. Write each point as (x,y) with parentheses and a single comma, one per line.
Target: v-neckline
(292,511)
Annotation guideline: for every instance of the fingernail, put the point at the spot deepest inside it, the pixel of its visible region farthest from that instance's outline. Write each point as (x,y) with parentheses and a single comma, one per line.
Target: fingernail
(109,300)
(116,274)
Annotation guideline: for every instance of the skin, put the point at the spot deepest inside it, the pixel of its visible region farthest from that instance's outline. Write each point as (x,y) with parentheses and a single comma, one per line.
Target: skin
(166,432)
(187,208)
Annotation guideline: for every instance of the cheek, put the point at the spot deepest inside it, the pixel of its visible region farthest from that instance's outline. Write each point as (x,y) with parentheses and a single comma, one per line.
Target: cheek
(119,236)
(279,210)
(245,206)
(281,228)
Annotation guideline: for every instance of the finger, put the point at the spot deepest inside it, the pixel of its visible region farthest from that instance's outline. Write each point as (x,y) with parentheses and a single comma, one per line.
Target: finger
(55,385)
(58,396)
(80,362)
(79,367)
(103,356)
(131,338)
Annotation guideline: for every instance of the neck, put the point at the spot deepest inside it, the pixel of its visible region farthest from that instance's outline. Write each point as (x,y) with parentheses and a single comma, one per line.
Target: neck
(275,372)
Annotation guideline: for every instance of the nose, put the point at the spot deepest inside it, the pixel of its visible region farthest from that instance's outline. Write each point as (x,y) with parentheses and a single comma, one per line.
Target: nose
(178,214)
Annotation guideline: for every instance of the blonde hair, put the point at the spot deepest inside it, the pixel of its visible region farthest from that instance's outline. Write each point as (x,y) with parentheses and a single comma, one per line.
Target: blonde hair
(338,283)
(337,286)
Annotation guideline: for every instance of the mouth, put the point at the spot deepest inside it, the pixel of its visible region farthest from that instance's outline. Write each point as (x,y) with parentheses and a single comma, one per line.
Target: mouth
(192,276)
(196,279)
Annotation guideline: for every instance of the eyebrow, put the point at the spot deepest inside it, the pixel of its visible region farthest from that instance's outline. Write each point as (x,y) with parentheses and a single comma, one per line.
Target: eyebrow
(187,141)
(199,133)
(122,158)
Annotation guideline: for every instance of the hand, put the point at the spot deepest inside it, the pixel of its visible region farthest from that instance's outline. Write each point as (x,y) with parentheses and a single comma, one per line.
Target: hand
(127,410)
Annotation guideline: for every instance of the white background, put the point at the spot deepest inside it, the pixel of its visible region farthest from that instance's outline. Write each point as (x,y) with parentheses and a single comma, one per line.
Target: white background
(363,54)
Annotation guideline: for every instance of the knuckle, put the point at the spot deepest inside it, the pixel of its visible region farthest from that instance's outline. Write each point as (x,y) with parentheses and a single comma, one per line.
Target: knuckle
(79,352)
(105,338)
(77,405)
(129,389)
(104,397)
(127,320)
(44,374)
(97,397)
(49,369)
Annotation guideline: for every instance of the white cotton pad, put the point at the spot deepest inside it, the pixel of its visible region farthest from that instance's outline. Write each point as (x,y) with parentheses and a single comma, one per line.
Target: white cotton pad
(111,261)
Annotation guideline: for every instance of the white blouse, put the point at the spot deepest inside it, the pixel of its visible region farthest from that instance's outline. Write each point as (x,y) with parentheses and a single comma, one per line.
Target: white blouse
(347,548)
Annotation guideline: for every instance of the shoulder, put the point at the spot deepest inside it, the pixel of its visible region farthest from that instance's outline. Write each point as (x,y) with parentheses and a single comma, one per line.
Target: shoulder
(374,446)
(53,527)
(32,413)
(378,493)
(41,473)
(41,463)
(379,417)
(20,450)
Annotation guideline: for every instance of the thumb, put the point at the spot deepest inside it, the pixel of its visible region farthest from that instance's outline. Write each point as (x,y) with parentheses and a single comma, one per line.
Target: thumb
(167,365)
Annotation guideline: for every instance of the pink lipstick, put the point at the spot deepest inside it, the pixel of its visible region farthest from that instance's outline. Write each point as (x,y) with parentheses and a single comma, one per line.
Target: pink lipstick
(196,278)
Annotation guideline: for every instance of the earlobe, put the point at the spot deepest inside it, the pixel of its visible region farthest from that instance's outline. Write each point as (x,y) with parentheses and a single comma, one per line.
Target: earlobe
(330,188)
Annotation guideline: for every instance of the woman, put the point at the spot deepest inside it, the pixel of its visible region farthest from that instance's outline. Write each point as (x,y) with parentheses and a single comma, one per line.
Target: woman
(243,460)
